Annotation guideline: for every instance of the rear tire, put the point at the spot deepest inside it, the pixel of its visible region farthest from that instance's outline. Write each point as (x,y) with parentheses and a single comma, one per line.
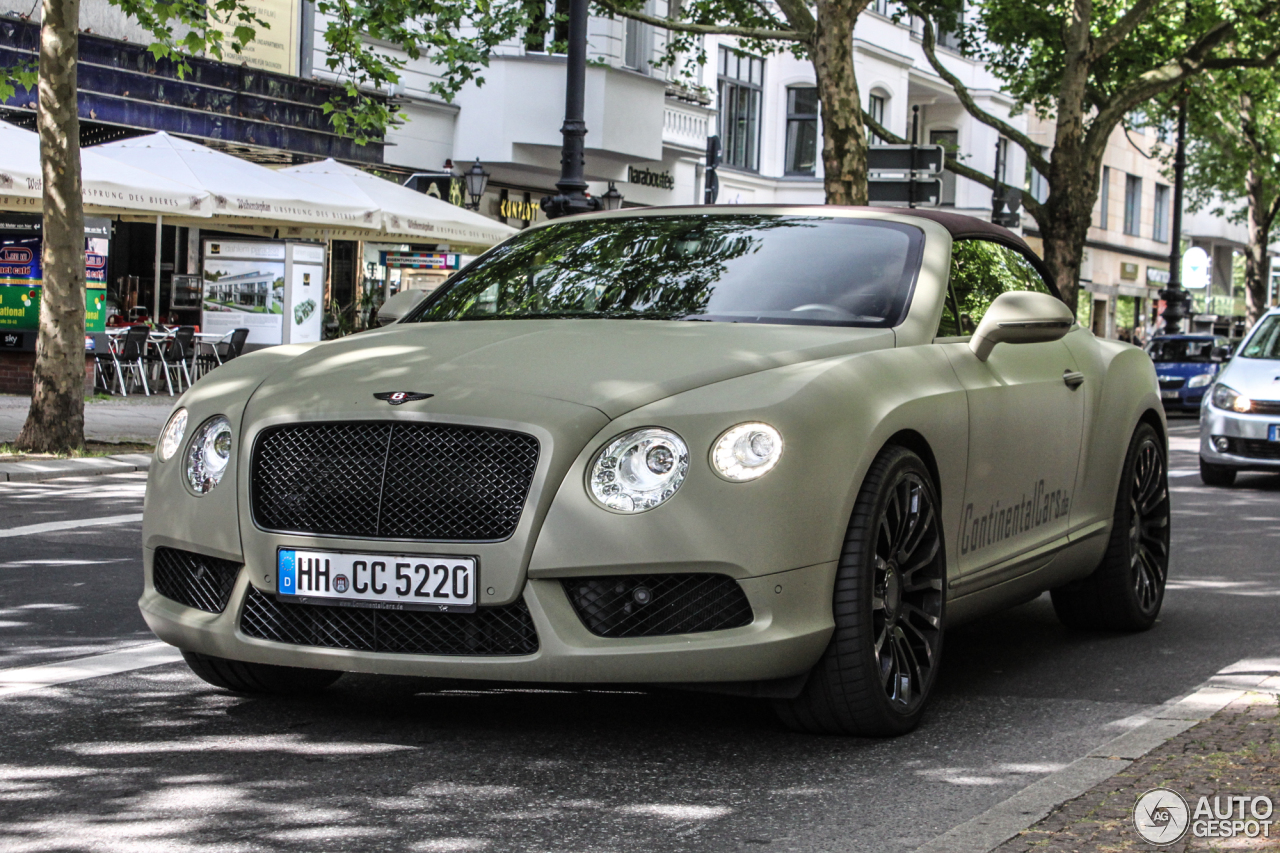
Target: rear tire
(1216,475)
(877,673)
(258,678)
(1126,591)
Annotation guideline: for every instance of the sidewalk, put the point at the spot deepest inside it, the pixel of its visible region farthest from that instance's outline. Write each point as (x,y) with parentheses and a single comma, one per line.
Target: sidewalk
(1236,752)
(134,419)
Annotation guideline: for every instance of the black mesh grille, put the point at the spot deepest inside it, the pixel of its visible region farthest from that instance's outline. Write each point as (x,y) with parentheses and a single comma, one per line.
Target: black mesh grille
(1254,448)
(194,579)
(392,481)
(1171,384)
(652,605)
(490,631)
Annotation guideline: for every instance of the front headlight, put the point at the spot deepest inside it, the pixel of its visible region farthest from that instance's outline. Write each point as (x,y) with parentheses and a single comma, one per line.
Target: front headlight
(1225,397)
(746,452)
(638,470)
(171,437)
(1200,381)
(208,454)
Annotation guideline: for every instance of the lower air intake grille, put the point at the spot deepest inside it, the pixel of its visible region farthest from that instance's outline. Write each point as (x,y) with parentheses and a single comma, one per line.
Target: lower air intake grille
(490,631)
(1254,448)
(653,605)
(194,579)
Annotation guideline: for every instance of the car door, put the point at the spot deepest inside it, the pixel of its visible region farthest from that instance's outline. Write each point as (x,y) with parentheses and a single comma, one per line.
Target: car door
(1025,423)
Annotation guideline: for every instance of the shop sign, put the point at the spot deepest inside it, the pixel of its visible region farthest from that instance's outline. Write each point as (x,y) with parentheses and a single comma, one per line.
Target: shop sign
(1157,276)
(1129,272)
(526,210)
(272,49)
(421,260)
(646,178)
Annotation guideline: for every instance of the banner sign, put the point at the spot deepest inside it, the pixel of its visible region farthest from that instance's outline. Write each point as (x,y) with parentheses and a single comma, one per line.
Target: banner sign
(22,278)
(421,260)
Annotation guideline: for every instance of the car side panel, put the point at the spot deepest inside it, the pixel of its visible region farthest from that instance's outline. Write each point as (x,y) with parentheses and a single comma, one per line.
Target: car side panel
(1120,387)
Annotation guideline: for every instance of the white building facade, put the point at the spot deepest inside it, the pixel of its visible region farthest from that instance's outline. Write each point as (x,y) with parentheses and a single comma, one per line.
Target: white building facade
(648,130)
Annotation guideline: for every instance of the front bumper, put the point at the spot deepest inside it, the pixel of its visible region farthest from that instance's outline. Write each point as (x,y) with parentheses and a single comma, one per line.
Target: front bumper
(1247,435)
(790,629)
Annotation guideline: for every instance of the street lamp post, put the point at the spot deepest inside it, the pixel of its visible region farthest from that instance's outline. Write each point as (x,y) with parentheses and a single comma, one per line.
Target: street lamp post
(572,196)
(1175,298)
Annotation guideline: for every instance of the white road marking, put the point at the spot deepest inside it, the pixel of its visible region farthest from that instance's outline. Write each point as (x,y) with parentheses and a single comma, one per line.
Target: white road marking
(52,526)
(26,678)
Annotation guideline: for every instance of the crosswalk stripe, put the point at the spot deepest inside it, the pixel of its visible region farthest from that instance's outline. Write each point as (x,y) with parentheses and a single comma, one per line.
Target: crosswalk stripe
(71,524)
(27,678)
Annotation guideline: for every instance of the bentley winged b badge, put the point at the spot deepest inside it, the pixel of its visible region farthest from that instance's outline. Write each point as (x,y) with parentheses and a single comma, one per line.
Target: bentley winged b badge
(395,398)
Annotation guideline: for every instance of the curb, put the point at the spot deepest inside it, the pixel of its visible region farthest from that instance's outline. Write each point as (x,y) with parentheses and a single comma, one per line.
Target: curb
(51,469)
(1024,809)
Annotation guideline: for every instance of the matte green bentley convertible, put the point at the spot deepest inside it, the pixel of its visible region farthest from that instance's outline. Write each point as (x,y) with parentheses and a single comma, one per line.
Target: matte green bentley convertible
(773,451)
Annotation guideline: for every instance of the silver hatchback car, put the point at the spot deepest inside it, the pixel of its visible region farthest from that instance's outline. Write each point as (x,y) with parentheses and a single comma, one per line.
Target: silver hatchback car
(1240,416)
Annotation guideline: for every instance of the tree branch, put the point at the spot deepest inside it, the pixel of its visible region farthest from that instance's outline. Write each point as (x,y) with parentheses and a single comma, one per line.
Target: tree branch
(761,33)
(1034,207)
(1108,41)
(1037,159)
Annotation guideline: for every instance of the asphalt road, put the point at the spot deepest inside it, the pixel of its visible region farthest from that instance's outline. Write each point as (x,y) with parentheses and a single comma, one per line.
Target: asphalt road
(155,759)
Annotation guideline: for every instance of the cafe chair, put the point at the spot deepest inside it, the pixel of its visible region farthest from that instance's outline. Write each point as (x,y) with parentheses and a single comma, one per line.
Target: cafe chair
(220,352)
(107,374)
(133,359)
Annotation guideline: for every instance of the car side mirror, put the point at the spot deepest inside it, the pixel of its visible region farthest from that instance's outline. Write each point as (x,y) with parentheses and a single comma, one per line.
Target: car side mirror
(1220,354)
(399,306)
(1021,317)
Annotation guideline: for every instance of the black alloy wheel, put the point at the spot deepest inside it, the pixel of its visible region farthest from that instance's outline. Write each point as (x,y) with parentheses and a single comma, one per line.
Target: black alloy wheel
(1126,590)
(879,668)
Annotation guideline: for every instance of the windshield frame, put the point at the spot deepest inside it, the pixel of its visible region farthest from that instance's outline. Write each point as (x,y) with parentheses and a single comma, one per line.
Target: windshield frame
(918,237)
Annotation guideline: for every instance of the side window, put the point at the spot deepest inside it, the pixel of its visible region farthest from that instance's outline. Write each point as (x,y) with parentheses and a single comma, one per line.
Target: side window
(981,271)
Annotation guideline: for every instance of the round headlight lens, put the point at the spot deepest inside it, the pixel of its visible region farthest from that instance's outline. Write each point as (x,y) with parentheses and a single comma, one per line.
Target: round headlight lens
(171,437)
(208,454)
(746,452)
(638,470)
(1226,397)
(1200,381)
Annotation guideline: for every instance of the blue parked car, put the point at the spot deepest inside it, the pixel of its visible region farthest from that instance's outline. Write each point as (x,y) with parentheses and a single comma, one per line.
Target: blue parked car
(1185,366)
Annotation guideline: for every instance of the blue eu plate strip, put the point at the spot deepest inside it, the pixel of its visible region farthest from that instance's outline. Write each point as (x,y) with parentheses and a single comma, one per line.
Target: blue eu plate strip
(287,579)
(1273,434)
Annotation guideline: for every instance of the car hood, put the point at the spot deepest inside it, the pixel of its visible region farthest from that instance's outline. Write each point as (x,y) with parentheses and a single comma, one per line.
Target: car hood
(613,366)
(1185,368)
(1258,378)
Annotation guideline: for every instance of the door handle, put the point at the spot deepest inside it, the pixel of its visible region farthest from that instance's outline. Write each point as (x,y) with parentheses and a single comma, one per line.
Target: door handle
(1073,378)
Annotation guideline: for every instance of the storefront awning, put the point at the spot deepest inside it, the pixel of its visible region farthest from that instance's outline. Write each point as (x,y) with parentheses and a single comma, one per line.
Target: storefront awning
(109,186)
(406,214)
(244,190)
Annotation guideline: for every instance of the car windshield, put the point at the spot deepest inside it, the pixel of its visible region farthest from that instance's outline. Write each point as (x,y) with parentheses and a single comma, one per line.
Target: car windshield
(1265,341)
(742,268)
(1180,350)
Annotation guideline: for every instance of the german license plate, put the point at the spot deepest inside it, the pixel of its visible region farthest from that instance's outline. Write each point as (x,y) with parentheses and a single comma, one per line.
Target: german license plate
(1273,432)
(1168,395)
(445,584)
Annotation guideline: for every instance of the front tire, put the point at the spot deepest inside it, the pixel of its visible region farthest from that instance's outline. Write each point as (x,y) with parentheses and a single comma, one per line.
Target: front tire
(1126,591)
(876,675)
(1216,475)
(258,678)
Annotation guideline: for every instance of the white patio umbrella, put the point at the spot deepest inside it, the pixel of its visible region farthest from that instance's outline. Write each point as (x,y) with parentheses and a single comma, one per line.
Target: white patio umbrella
(406,214)
(242,189)
(108,185)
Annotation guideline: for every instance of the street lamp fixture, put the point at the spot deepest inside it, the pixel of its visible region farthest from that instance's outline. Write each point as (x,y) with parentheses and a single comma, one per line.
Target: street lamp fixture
(477,180)
(612,200)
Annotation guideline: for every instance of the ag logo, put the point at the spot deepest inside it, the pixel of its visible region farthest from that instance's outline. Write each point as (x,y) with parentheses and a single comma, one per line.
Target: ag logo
(395,398)
(1161,816)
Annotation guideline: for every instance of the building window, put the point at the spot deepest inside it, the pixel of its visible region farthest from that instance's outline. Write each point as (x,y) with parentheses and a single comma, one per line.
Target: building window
(1104,202)
(1002,161)
(950,142)
(882,7)
(1160,228)
(544,26)
(1132,205)
(636,42)
(875,107)
(1037,184)
(802,130)
(741,78)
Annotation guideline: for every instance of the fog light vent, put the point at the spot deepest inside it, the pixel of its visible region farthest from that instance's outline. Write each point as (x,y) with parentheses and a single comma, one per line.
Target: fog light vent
(654,605)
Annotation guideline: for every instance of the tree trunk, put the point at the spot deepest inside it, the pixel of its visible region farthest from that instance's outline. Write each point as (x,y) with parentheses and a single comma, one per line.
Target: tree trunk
(1256,261)
(55,422)
(844,138)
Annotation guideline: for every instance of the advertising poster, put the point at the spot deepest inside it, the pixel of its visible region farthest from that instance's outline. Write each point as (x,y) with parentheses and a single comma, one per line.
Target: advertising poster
(274,47)
(244,288)
(22,280)
(305,294)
